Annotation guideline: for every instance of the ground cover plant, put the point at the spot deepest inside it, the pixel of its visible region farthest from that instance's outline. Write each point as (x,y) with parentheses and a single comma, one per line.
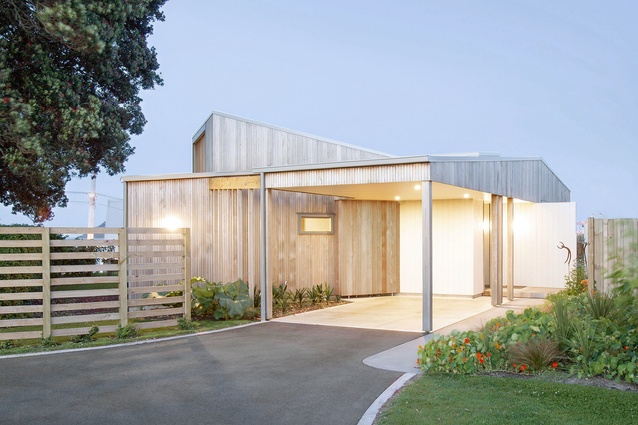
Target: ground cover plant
(436,398)
(583,333)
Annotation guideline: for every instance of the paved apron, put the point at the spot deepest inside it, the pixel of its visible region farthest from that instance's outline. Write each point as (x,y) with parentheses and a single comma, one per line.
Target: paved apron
(270,373)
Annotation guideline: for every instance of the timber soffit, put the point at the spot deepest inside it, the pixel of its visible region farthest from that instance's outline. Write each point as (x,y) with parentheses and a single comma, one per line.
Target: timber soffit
(202,129)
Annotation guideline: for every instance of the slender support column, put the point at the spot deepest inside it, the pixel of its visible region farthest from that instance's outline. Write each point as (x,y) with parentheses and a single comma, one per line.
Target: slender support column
(496,249)
(510,249)
(262,249)
(426,215)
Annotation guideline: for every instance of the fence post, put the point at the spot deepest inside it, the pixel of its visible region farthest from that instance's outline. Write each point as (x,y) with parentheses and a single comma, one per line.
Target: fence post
(46,283)
(123,275)
(187,273)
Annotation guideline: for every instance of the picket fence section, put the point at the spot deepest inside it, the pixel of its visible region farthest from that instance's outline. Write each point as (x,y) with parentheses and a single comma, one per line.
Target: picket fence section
(63,286)
(610,242)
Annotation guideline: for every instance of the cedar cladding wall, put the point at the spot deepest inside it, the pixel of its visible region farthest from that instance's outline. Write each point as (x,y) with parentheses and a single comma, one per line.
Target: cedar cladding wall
(235,145)
(225,235)
(368,234)
(150,203)
(224,223)
(300,260)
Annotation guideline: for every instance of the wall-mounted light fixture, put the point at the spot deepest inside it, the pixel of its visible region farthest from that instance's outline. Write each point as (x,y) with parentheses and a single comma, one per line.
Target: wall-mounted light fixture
(171,223)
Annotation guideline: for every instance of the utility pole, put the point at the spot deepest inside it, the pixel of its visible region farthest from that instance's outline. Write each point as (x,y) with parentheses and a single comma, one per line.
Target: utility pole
(92,195)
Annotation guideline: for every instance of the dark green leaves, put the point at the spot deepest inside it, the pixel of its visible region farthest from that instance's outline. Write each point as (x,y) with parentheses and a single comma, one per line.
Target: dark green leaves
(70,76)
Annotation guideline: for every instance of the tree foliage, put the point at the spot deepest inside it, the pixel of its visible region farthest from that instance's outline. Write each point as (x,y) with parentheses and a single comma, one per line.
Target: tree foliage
(70,76)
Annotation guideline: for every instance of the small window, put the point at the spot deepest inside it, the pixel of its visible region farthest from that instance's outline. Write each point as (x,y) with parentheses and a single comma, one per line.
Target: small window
(315,224)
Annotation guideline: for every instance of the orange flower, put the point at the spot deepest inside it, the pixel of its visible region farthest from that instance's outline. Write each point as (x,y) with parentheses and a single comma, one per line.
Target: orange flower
(466,341)
(523,367)
(555,365)
(489,354)
(626,348)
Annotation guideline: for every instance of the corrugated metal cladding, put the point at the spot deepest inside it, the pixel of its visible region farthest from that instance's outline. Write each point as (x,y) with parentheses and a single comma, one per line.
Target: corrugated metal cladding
(529,180)
(235,145)
(354,175)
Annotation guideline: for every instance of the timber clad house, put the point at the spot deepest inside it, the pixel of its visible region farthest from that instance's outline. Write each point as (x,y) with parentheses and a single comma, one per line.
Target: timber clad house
(271,205)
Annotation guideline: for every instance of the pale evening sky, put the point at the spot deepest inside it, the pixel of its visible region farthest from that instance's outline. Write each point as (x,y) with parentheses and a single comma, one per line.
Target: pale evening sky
(556,80)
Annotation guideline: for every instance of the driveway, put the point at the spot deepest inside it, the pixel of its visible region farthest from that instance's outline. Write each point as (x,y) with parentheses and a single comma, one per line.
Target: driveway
(268,373)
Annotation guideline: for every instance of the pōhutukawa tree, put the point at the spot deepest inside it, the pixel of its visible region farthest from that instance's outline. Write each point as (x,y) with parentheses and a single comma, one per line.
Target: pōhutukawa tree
(70,76)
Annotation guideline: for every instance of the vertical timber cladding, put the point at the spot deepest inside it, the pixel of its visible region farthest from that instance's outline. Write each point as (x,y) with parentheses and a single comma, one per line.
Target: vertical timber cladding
(300,260)
(368,238)
(235,229)
(152,202)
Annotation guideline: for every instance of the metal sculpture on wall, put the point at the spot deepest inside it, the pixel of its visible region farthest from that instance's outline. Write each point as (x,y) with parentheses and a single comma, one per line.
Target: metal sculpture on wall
(568,261)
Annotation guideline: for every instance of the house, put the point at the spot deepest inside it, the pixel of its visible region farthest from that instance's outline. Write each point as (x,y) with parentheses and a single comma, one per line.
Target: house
(270,205)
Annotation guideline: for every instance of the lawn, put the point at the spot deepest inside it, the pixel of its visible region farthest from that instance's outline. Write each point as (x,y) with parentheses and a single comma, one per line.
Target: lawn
(471,399)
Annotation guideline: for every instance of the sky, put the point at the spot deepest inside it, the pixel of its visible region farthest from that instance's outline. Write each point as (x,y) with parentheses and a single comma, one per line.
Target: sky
(556,80)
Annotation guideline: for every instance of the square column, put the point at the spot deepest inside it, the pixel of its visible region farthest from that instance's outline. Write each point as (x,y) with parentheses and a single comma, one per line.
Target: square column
(426,214)
(510,249)
(496,249)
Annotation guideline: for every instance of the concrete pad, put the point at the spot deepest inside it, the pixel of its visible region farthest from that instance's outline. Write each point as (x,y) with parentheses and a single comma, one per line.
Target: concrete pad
(395,313)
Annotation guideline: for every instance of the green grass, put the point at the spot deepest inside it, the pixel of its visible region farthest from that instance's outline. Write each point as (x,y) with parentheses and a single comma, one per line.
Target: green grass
(462,399)
(65,343)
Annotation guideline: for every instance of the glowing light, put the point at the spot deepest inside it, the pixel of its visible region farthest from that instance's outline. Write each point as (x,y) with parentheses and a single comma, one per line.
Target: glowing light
(397,198)
(466,195)
(171,223)
(417,187)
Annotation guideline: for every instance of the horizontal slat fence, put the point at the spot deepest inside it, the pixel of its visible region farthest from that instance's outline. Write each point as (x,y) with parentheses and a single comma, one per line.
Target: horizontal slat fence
(610,242)
(54,285)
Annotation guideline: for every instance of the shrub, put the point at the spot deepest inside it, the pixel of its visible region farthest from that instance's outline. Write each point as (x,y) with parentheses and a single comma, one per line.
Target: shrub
(220,301)
(185,324)
(537,354)
(576,281)
(299,296)
(86,337)
(281,296)
(126,332)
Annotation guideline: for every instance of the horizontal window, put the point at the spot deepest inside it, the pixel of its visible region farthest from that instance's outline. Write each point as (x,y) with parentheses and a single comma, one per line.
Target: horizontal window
(315,224)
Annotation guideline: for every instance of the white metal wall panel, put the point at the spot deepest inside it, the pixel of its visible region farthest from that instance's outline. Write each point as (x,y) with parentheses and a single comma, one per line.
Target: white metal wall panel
(457,227)
(538,230)
(411,229)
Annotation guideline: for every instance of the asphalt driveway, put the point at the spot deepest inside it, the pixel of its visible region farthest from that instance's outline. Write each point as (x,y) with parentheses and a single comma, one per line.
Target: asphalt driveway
(269,373)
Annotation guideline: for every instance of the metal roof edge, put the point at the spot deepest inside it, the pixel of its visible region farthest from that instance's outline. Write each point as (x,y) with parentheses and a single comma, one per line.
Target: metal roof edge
(400,160)
(198,133)
(555,175)
(184,176)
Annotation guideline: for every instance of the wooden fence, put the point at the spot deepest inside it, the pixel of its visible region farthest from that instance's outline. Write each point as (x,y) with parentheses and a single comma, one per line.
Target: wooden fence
(610,241)
(52,285)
